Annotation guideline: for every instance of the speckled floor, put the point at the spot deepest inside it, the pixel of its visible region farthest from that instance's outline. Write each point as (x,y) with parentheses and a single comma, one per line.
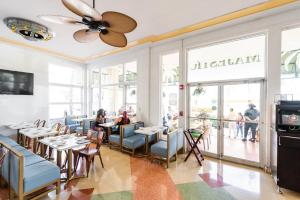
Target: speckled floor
(125,178)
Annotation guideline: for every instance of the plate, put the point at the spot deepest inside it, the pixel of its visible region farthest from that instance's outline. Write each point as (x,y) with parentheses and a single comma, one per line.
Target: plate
(60,143)
(82,141)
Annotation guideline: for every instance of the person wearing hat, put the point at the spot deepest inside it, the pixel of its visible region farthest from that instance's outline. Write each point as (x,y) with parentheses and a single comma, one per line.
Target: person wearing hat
(251,122)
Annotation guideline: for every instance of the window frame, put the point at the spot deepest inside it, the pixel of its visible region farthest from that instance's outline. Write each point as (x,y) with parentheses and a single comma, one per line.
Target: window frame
(70,103)
(123,83)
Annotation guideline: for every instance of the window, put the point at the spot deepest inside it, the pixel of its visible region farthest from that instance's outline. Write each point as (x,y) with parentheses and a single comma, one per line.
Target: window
(94,90)
(170,90)
(290,63)
(239,59)
(118,88)
(65,91)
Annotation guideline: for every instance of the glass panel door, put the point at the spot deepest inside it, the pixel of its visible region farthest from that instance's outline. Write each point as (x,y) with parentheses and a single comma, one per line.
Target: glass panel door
(241,113)
(203,115)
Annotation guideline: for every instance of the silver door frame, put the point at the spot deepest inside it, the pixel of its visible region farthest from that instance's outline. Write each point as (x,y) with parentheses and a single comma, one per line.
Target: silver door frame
(220,120)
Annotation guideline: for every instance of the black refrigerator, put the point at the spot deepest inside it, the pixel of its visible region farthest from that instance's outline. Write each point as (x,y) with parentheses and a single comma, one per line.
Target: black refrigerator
(285,145)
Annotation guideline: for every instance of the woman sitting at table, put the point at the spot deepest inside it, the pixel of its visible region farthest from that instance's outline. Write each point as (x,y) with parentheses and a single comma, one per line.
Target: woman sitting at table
(96,128)
(122,121)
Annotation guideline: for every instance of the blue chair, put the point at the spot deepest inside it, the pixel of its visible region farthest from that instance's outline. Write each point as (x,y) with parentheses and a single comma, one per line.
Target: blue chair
(8,141)
(73,125)
(140,124)
(114,139)
(27,173)
(165,150)
(86,125)
(130,140)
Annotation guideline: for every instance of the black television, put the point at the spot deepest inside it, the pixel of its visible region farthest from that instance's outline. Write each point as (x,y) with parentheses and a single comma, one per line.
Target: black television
(16,83)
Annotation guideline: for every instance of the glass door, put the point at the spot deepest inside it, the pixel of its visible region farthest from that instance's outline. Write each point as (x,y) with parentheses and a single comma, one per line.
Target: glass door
(241,120)
(204,115)
(229,115)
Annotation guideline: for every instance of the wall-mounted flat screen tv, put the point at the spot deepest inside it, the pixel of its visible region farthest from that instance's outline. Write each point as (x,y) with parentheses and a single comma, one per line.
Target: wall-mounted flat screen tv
(16,83)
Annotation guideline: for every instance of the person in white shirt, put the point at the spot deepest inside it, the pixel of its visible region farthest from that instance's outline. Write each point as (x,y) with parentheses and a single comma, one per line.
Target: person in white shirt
(232,123)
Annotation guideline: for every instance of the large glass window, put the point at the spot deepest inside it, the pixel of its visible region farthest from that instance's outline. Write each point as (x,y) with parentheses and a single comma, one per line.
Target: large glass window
(290,63)
(170,90)
(118,88)
(65,91)
(240,59)
(94,90)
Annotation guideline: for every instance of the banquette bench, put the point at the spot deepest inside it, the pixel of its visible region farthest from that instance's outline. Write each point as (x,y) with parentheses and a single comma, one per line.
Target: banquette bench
(25,172)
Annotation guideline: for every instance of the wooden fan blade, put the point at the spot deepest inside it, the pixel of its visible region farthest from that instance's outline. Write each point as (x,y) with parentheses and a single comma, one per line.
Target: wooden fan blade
(85,35)
(119,22)
(59,19)
(114,39)
(82,9)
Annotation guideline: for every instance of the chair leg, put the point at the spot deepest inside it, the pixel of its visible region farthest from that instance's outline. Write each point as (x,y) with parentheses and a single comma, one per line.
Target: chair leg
(75,159)
(133,151)
(207,143)
(66,159)
(50,152)
(58,187)
(101,159)
(77,162)
(168,162)
(88,164)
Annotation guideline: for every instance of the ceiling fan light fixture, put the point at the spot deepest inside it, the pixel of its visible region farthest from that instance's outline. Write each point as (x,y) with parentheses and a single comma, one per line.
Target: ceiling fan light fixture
(110,26)
(29,30)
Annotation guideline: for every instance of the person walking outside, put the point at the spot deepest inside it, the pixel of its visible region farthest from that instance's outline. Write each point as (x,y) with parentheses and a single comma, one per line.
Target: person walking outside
(231,122)
(240,125)
(251,122)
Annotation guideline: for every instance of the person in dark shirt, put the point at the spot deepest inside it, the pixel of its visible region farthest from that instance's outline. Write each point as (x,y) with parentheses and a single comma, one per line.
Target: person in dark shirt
(100,119)
(251,122)
(122,120)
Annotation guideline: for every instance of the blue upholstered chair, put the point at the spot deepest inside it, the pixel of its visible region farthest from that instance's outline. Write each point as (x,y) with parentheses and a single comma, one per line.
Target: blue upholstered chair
(86,125)
(34,174)
(130,140)
(73,125)
(8,141)
(140,124)
(115,140)
(165,150)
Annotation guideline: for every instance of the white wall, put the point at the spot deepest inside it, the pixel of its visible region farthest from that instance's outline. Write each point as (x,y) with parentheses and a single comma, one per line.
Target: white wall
(271,26)
(18,108)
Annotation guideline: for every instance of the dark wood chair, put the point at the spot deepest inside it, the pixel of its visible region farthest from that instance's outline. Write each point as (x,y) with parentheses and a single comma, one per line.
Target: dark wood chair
(42,123)
(90,152)
(27,139)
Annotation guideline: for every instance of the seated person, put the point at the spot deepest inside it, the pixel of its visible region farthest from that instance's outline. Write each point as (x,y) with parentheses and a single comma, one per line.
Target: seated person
(96,129)
(122,121)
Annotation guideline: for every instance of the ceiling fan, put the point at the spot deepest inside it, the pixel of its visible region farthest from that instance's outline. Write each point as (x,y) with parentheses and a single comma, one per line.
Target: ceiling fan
(110,26)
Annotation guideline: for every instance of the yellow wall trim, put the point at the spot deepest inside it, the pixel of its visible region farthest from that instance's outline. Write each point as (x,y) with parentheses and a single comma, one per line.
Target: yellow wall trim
(156,38)
(42,50)
(211,22)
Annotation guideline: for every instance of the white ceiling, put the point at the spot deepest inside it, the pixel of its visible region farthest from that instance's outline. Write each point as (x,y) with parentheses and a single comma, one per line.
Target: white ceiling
(153,16)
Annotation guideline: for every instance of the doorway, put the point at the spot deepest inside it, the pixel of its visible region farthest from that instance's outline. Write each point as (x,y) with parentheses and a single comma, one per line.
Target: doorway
(230,116)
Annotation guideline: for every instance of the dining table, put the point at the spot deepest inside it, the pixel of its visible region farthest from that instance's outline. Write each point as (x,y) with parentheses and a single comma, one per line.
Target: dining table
(36,133)
(108,126)
(148,131)
(18,127)
(66,143)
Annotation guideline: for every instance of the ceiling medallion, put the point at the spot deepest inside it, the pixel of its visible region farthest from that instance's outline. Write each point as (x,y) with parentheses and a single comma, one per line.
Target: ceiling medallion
(28,29)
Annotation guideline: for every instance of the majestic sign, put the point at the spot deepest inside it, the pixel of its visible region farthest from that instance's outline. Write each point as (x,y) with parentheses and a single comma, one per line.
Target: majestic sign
(234,60)
(226,62)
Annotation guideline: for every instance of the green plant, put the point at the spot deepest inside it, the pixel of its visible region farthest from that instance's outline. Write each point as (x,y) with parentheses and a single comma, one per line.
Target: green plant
(198,91)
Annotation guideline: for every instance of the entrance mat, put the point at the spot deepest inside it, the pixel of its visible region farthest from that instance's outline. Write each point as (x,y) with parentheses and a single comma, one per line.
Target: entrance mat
(201,191)
(125,195)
